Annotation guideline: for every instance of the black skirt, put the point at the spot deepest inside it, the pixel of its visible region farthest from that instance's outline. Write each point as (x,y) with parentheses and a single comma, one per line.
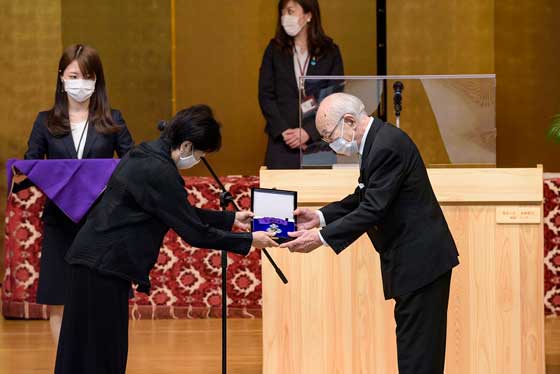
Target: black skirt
(94,333)
(54,270)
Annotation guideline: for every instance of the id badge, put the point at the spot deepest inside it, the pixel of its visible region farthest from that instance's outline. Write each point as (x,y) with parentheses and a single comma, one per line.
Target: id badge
(308,105)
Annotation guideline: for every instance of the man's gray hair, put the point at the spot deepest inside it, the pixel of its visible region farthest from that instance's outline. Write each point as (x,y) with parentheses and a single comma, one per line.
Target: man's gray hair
(343,103)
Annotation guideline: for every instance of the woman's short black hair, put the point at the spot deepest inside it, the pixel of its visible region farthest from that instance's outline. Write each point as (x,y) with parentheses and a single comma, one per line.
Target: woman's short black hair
(195,124)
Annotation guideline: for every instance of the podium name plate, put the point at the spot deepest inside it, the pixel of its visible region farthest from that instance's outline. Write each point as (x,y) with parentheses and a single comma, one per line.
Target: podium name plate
(518,214)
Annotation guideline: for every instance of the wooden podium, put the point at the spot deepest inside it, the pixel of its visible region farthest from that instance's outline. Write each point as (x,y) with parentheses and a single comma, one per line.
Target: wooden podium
(332,317)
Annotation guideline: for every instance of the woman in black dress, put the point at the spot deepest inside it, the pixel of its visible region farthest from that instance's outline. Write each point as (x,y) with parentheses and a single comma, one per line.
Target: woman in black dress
(299,48)
(81,124)
(120,240)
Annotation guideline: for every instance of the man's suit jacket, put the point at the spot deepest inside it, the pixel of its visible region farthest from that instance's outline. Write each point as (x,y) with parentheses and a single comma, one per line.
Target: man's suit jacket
(279,99)
(395,204)
(42,144)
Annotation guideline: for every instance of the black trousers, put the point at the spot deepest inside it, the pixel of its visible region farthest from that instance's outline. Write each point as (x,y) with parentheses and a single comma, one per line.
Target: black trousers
(421,318)
(94,333)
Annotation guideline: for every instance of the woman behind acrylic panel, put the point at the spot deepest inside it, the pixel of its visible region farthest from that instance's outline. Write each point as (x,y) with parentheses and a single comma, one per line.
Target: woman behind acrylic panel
(300,47)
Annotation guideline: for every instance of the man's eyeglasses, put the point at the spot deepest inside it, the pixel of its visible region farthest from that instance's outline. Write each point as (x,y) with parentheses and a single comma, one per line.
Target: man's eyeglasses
(328,137)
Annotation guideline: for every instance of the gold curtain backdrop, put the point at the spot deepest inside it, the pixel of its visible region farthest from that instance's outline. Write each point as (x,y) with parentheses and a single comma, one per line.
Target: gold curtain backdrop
(31,46)
(436,37)
(528,81)
(217,47)
(134,41)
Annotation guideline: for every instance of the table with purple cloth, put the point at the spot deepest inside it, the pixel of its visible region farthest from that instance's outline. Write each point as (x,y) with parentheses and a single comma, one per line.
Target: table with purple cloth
(186,281)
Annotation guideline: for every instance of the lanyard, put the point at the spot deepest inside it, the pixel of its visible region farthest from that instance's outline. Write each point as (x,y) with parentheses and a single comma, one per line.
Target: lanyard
(302,70)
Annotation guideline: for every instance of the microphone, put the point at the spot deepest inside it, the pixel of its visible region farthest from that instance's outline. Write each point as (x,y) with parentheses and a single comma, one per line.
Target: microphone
(398,88)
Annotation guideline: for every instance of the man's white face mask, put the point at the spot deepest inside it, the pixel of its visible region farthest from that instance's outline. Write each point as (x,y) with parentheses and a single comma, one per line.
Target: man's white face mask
(343,146)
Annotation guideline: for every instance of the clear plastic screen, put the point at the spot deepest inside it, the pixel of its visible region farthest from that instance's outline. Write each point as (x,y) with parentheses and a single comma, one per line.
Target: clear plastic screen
(450,118)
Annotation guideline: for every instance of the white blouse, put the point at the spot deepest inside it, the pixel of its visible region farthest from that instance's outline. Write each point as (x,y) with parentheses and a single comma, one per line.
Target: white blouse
(78,129)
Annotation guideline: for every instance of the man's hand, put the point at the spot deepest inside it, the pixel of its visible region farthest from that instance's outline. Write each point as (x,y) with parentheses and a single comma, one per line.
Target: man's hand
(306,218)
(306,241)
(243,220)
(294,138)
(262,239)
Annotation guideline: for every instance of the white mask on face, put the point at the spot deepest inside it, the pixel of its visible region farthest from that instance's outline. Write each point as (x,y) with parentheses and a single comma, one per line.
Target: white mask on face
(343,146)
(291,25)
(79,89)
(187,162)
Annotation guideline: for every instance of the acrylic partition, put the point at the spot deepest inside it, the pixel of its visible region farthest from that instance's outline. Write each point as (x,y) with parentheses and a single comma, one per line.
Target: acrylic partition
(451,118)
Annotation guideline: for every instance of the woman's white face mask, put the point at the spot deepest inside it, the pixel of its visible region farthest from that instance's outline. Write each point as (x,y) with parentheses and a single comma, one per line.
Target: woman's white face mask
(79,89)
(187,162)
(292,24)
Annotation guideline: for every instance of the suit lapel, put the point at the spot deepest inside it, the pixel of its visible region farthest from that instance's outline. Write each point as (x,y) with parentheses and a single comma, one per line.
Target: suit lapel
(288,60)
(311,70)
(375,126)
(90,139)
(69,145)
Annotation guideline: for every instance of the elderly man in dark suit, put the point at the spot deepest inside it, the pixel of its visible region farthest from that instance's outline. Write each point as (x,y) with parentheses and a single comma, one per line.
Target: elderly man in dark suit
(395,205)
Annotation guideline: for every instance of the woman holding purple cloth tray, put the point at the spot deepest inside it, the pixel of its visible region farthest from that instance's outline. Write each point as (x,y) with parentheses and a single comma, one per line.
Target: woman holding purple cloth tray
(80,125)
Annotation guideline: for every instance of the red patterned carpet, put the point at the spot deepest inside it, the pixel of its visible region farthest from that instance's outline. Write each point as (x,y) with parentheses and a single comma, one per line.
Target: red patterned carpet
(552,246)
(186,281)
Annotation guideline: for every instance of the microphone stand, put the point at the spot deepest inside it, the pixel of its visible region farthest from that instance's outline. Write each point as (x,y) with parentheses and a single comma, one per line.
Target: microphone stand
(226,199)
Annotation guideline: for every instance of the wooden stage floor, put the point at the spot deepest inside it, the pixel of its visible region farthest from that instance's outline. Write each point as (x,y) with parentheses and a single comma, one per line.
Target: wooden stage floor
(174,347)
(156,347)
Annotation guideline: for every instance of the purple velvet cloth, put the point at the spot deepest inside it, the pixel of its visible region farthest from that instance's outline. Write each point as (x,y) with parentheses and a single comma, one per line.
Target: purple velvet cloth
(73,185)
